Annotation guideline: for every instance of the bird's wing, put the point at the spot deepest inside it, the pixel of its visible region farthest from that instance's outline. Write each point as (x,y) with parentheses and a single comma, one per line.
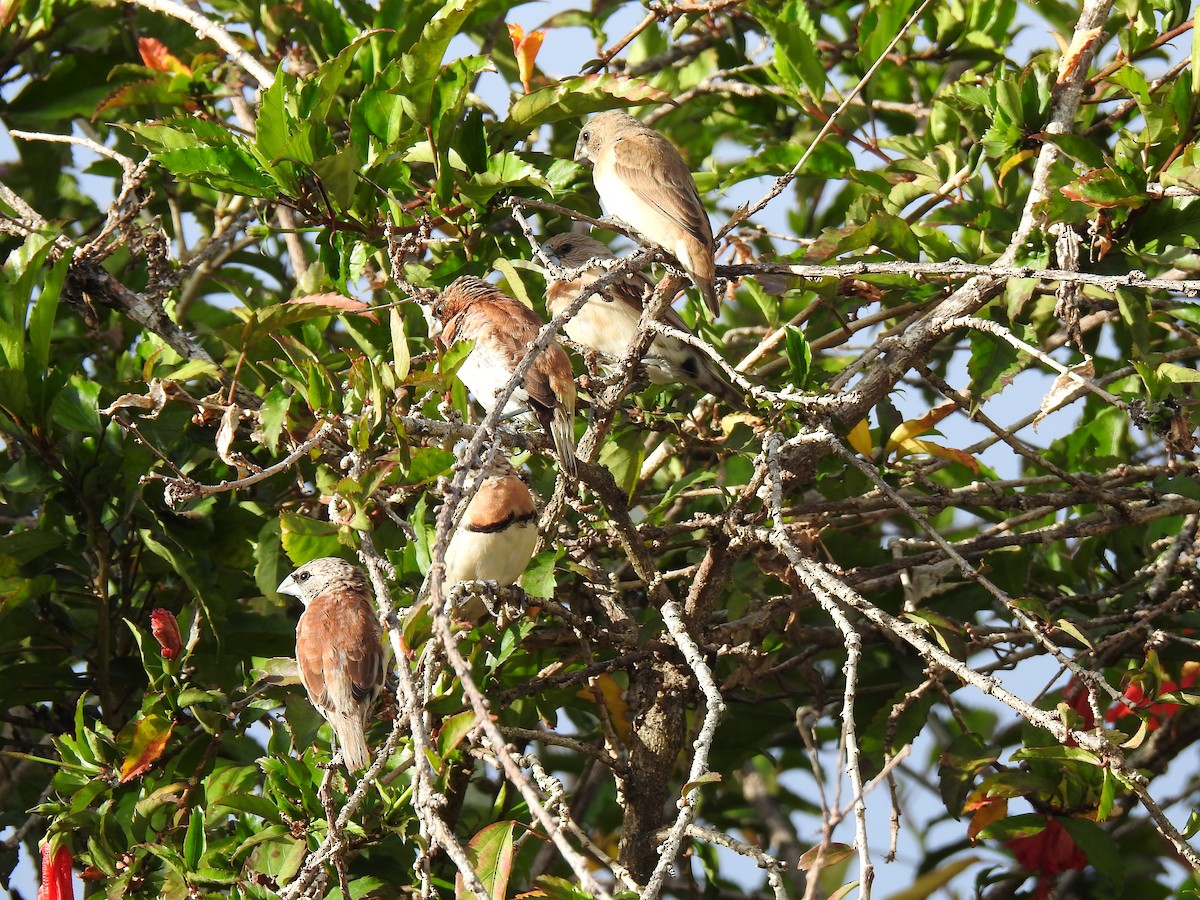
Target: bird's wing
(660,178)
(364,656)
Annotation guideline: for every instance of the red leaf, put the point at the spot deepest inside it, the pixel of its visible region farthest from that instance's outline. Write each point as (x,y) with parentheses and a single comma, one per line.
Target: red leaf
(1048,853)
(339,301)
(156,56)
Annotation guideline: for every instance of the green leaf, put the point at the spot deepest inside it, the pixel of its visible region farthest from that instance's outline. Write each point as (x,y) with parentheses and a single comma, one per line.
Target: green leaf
(1108,795)
(419,67)
(882,22)
(453,730)
(41,316)
(183,563)
(272,413)
(329,78)
(573,98)
(1082,150)
(1098,845)
(276,132)
(539,580)
(194,843)
(1105,189)
(491,852)
(1135,310)
(76,409)
(276,854)
(339,175)
(992,365)
(401,360)
(796,59)
(1058,754)
(504,171)
(226,168)
(966,756)
(306,539)
(556,888)
(799,356)
(1177,374)
(622,454)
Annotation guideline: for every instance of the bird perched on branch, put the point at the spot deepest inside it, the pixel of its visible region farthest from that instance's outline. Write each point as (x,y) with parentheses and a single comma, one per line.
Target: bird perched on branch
(643,181)
(338,649)
(495,538)
(502,328)
(608,321)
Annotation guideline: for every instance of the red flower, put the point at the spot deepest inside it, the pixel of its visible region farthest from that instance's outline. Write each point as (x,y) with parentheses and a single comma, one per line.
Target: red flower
(56,874)
(166,631)
(1075,695)
(1159,712)
(1048,853)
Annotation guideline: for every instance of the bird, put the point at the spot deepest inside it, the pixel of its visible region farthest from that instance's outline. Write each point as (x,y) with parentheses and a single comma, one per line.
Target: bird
(472,309)
(643,181)
(339,649)
(608,322)
(495,538)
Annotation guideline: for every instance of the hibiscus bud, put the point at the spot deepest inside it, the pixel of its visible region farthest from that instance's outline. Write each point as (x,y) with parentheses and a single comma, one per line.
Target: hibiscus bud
(166,631)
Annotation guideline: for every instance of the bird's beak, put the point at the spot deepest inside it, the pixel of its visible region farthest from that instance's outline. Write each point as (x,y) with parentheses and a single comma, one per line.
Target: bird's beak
(287,586)
(433,325)
(580,152)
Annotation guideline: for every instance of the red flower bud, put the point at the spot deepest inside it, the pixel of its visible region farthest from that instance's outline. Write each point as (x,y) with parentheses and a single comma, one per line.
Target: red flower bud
(166,631)
(56,874)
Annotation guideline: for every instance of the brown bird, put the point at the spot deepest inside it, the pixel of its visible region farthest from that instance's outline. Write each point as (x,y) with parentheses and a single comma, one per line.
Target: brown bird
(502,328)
(495,538)
(608,322)
(643,181)
(338,649)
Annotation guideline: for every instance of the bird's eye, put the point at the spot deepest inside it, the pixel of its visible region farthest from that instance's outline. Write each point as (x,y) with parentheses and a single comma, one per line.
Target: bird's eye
(437,310)
(567,248)
(587,135)
(303,577)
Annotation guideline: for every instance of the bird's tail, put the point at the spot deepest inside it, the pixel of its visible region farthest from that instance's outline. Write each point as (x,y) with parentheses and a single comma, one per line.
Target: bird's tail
(712,380)
(562,432)
(708,290)
(351,741)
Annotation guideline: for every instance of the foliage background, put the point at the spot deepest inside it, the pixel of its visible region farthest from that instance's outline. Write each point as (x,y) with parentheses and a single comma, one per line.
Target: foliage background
(808,570)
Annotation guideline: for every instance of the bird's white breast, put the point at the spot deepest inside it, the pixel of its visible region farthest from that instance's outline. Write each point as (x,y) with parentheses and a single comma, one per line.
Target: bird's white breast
(623,202)
(485,372)
(499,556)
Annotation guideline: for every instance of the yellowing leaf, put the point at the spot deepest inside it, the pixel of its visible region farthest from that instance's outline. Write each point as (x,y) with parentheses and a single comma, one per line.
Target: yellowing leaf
(927,885)
(860,438)
(731,421)
(149,740)
(1072,56)
(916,445)
(914,427)
(1012,162)
(614,701)
(834,854)
(989,811)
